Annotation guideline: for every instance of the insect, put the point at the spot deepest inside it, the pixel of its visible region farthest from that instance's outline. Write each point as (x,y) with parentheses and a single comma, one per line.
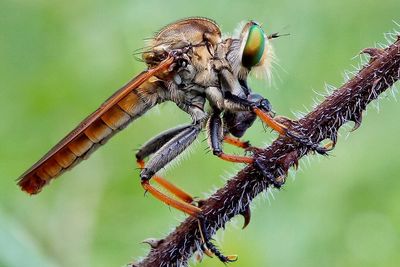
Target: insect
(190,64)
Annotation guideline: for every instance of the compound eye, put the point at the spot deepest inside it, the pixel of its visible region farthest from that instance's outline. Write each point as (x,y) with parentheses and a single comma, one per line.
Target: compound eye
(254,48)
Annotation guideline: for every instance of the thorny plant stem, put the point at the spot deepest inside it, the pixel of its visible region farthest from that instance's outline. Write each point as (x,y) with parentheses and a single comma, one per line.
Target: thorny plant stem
(345,104)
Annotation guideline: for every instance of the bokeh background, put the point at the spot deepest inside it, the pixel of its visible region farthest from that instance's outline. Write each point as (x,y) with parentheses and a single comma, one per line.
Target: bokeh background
(60,59)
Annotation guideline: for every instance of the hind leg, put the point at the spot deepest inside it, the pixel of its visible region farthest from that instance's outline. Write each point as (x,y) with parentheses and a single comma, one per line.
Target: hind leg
(164,155)
(154,145)
(165,147)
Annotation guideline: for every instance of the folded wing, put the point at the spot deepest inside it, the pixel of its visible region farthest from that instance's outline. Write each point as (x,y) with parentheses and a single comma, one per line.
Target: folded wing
(124,106)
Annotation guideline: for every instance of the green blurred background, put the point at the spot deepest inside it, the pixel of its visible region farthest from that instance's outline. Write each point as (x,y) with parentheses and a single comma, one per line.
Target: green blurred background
(60,59)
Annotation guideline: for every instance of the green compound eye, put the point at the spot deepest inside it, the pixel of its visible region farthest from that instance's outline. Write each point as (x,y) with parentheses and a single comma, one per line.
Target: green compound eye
(254,48)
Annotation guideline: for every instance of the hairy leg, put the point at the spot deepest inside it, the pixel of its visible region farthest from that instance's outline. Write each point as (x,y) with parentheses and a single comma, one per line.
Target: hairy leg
(151,147)
(215,137)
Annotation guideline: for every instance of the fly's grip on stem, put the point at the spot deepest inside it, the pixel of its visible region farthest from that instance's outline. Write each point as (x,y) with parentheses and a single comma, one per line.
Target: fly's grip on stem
(345,104)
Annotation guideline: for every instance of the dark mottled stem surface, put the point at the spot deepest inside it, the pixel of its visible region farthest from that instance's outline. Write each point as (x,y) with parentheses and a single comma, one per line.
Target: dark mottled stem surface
(345,104)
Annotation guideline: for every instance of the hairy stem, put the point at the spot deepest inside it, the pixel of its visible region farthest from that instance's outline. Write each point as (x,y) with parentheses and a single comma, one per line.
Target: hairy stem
(345,104)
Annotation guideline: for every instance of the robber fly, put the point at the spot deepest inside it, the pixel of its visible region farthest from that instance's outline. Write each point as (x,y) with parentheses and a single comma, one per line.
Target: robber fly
(190,64)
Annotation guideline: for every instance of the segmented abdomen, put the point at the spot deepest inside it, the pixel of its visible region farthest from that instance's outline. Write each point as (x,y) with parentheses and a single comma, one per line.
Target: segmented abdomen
(67,153)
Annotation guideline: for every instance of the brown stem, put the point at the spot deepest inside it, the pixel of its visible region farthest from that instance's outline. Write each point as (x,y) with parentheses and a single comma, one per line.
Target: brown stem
(345,104)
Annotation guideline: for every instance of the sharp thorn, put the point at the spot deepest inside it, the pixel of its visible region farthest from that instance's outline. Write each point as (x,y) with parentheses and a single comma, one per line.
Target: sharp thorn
(247,216)
(152,242)
(357,125)
(374,53)
(357,119)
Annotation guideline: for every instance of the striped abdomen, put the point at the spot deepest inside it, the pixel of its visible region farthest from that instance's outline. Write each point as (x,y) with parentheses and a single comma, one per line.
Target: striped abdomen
(94,131)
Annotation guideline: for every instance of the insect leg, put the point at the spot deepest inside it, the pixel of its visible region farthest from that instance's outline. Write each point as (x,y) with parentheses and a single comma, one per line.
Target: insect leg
(158,141)
(151,147)
(169,145)
(209,246)
(170,150)
(259,105)
(262,108)
(236,142)
(283,130)
(215,139)
(267,119)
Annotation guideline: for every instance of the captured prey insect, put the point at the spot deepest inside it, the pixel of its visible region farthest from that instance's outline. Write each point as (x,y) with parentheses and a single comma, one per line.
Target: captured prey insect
(190,64)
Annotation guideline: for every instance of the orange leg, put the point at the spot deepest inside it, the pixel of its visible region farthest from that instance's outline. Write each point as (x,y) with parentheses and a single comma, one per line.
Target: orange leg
(280,128)
(214,126)
(236,142)
(235,158)
(184,206)
(283,130)
(179,193)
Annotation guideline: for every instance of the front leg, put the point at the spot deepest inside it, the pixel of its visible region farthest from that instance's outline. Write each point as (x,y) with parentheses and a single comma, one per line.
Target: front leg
(262,108)
(230,85)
